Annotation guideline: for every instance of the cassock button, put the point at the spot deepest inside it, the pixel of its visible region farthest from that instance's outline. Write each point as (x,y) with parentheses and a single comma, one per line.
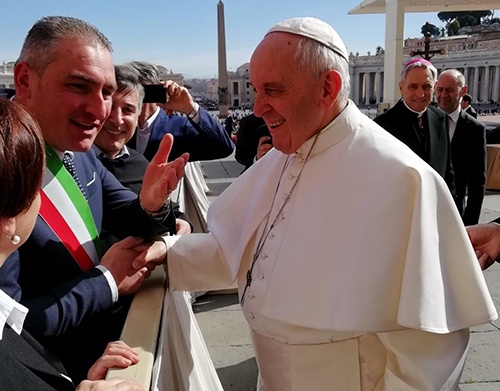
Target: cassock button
(271,235)
(300,159)
(291,176)
(251,296)
(261,277)
(252,316)
(264,256)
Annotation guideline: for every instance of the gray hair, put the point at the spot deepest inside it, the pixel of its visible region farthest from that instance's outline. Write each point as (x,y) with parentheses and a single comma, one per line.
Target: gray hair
(316,58)
(457,75)
(419,64)
(127,80)
(40,44)
(148,73)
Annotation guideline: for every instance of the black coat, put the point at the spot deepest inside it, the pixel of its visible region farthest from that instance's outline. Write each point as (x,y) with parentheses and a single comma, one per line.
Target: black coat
(398,121)
(468,153)
(26,365)
(251,129)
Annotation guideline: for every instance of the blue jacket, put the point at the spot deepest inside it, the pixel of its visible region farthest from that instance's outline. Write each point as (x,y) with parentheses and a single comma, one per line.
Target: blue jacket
(204,141)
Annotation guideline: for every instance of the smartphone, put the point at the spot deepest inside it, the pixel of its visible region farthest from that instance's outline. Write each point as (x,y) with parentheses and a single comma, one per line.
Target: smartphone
(155,93)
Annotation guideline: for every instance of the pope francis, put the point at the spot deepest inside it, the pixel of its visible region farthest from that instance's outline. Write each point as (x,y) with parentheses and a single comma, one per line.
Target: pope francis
(354,270)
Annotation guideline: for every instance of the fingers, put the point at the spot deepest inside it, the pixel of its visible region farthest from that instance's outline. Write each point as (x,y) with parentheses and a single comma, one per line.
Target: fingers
(117,355)
(485,262)
(128,243)
(163,150)
(262,140)
(155,254)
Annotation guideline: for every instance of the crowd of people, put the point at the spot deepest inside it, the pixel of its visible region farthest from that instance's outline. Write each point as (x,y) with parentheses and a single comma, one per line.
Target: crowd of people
(349,248)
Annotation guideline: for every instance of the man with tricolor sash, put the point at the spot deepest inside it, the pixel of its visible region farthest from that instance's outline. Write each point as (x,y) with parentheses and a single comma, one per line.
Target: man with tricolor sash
(65,78)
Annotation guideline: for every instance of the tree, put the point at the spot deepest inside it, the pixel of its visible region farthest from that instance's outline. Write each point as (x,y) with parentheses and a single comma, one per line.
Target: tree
(452,27)
(450,16)
(429,29)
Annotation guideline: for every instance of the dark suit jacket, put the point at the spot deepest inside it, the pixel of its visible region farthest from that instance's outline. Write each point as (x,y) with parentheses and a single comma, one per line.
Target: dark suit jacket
(468,153)
(65,304)
(470,110)
(251,129)
(26,365)
(398,121)
(204,141)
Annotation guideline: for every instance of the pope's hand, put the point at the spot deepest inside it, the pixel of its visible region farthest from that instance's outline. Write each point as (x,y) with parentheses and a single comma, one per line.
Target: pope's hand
(153,253)
(485,239)
(161,177)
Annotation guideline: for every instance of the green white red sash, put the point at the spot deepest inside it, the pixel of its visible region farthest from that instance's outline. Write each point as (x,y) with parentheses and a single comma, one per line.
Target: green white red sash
(67,213)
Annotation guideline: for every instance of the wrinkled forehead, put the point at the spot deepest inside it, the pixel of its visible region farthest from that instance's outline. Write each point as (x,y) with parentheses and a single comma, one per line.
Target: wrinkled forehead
(275,51)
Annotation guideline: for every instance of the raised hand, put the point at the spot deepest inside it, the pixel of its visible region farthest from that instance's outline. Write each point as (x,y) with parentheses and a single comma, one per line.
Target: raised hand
(179,98)
(161,177)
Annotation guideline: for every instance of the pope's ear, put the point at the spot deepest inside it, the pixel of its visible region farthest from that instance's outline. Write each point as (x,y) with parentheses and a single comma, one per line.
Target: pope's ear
(23,80)
(331,87)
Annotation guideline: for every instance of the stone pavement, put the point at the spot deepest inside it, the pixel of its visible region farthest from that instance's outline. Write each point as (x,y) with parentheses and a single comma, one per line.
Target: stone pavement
(228,340)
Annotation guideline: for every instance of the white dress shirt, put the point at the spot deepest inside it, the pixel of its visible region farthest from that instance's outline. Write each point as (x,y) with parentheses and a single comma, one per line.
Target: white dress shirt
(144,133)
(11,313)
(453,118)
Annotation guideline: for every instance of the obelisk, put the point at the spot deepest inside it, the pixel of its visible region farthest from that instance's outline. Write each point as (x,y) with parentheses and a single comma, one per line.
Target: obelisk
(221,45)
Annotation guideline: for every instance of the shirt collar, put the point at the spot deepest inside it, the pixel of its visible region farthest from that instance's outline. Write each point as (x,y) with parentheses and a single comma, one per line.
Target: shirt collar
(149,122)
(11,313)
(419,113)
(343,125)
(60,154)
(124,153)
(454,115)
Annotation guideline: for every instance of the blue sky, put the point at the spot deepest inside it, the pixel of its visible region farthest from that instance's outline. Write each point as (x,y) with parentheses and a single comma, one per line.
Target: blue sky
(182,34)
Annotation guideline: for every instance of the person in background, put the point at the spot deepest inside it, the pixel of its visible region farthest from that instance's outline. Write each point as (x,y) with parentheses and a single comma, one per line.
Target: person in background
(466,104)
(197,133)
(468,146)
(253,141)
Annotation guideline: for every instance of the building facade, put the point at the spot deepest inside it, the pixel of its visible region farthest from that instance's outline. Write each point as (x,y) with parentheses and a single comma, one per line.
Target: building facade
(477,56)
(240,91)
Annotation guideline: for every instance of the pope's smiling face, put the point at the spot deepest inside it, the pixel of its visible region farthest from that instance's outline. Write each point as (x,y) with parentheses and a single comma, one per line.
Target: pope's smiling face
(417,88)
(287,97)
(121,123)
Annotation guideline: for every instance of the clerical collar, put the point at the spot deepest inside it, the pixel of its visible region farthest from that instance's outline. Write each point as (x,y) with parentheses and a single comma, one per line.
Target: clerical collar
(11,313)
(124,153)
(454,115)
(419,113)
(333,133)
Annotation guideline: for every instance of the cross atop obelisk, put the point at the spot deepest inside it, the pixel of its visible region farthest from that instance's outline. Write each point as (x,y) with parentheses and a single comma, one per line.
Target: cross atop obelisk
(221,44)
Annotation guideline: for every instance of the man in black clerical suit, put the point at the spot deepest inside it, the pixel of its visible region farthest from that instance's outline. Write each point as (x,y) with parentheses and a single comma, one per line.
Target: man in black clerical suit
(466,105)
(126,164)
(413,121)
(253,140)
(468,146)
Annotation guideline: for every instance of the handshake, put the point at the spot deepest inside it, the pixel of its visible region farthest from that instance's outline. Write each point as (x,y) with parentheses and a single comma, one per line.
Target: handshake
(130,261)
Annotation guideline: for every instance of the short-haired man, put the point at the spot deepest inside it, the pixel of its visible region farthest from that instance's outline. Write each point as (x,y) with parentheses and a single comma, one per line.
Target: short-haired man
(353,267)
(65,78)
(416,123)
(126,164)
(466,104)
(468,146)
(196,133)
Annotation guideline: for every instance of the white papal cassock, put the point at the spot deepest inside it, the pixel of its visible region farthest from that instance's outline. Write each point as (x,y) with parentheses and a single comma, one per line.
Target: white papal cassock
(367,281)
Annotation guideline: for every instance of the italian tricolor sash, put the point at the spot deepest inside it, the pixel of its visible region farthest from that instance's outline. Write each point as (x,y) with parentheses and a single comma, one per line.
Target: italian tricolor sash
(67,213)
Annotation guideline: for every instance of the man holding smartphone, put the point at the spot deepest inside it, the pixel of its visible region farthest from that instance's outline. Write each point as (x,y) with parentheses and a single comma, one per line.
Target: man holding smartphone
(197,133)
